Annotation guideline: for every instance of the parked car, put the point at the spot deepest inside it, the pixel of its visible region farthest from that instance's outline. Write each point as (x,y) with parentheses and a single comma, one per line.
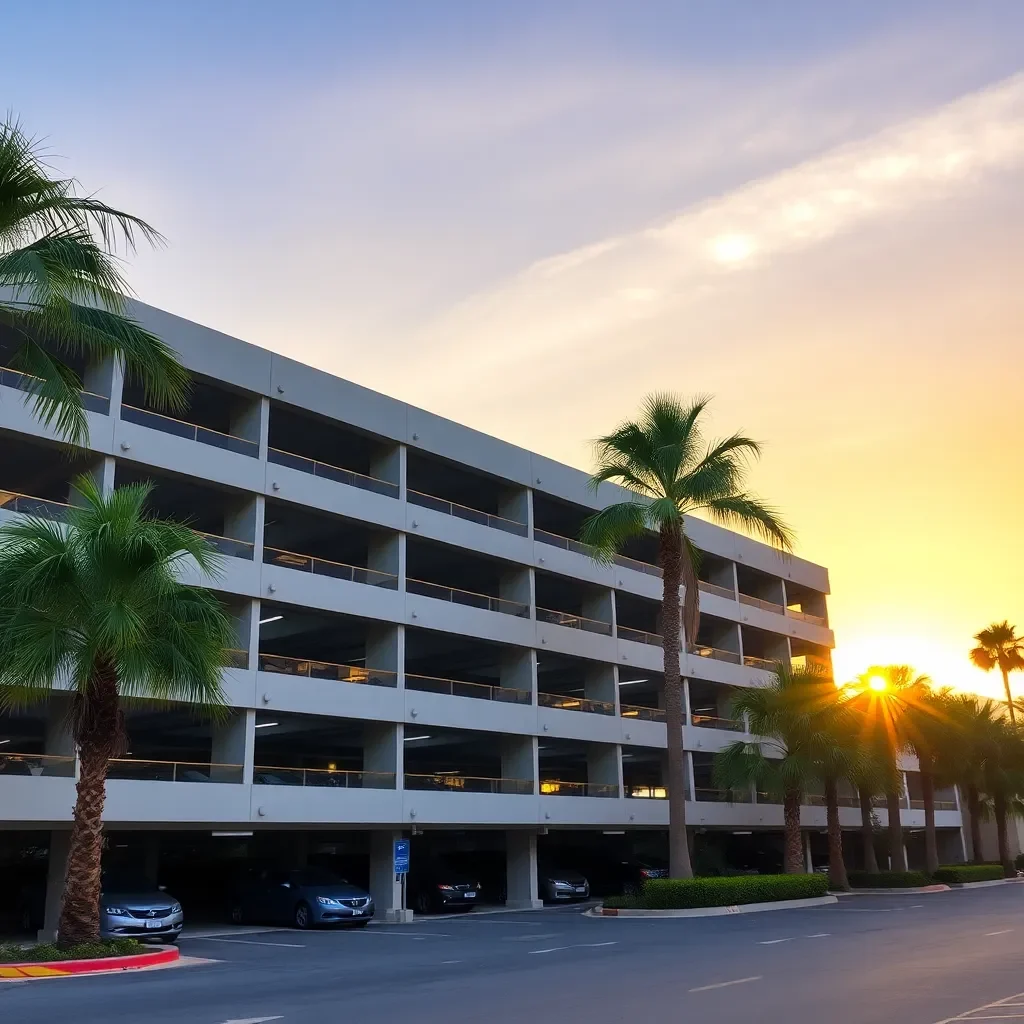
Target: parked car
(133,907)
(557,884)
(635,872)
(303,897)
(435,885)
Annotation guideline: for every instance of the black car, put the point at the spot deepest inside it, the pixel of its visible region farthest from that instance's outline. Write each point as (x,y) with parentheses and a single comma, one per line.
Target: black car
(303,898)
(435,885)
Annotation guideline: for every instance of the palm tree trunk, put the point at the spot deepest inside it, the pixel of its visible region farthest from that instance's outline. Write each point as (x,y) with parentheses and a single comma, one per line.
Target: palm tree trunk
(98,731)
(867,832)
(931,849)
(671,555)
(999,808)
(836,864)
(793,845)
(1009,695)
(897,856)
(974,814)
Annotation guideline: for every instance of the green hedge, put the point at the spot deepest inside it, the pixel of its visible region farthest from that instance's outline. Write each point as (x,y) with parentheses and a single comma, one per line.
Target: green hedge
(688,893)
(14,953)
(959,873)
(888,879)
(1019,862)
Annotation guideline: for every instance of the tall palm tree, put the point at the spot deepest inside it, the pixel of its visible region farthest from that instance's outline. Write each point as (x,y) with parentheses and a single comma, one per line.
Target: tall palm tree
(663,460)
(1003,782)
(999,645)
(97,602)
(871,777)
(790,757)
(62,292)
(877,696)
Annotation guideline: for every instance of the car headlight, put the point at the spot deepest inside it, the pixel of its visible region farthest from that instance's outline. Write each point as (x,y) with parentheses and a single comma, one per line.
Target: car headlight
(327,901)
(562,885)
(175,908)
(115,911)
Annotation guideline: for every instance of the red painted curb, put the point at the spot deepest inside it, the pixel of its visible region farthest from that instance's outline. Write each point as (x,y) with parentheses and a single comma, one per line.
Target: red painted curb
(609,912)
(53,968)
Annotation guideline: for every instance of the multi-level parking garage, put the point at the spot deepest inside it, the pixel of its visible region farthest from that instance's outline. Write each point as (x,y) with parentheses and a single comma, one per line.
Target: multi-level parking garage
(422,647)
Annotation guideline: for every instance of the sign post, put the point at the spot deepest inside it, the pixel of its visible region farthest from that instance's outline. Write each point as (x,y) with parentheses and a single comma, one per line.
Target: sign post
(402,848)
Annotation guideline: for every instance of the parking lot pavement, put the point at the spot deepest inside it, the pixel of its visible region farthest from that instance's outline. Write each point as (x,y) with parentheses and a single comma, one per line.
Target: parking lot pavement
(866,960)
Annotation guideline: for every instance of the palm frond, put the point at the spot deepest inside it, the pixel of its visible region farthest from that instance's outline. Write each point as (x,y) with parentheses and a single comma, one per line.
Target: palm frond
(750,513)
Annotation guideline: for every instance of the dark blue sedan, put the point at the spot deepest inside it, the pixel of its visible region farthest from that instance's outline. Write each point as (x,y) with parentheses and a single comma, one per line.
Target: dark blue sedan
(302,898)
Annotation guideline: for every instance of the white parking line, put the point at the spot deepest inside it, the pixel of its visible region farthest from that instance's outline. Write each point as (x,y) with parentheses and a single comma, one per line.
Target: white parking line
(819,935)
(774,942)
(451,961)
(977,1012)
(553,949)
(1005,931)
(726,984)
(575,945)
(253,942)
(594,945)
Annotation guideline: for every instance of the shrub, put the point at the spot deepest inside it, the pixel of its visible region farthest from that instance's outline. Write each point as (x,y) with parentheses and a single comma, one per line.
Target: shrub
(13,953)
(888,879)
(1019,862)
(957,874)
(688,893)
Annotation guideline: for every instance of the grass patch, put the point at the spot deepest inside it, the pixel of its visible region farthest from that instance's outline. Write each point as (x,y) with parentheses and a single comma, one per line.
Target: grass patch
(691,893)
(888,879)
(48,952)
(960,873)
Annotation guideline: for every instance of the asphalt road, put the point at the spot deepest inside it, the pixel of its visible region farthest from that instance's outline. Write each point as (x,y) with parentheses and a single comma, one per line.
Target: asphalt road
(869,960)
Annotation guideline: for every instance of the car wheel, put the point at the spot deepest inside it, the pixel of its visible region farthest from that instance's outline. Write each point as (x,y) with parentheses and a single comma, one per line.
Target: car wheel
(422,903)
(237,914)
(303,917)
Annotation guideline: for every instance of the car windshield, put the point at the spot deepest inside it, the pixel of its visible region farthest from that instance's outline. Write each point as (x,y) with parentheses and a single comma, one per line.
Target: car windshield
(317,876)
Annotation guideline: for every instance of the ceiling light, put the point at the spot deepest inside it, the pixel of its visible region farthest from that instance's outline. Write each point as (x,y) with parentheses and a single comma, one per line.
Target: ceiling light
(2,742)
(409,739)
(631,682)
(266,725)
(270,618)
(232,835)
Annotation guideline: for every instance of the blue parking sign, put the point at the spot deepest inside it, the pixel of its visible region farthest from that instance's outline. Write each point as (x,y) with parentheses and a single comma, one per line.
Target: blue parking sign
(401,856)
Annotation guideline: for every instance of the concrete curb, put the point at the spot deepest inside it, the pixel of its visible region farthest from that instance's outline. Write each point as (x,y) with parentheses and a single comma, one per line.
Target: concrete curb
(986,883)
(744,908)
(104,964)
(917,890)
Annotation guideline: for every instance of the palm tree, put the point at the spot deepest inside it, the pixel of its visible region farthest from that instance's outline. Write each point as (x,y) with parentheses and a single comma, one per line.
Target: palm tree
(97,602)
(876,696)
(63,289)
(791,760)
(999,645)
(663,461)
(1003,782)
(871,777)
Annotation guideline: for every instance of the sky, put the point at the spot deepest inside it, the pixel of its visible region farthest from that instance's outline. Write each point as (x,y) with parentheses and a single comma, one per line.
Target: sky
(527,215)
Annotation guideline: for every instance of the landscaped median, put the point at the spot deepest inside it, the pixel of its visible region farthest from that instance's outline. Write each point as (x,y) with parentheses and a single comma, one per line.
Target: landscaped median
(952,876)
(18,963)
(710,897)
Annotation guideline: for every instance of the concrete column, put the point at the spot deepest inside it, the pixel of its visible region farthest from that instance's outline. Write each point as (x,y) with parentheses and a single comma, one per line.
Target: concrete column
(604,765)
(690,780)
(600,605)
(518,670)
(386,554)
(102,473)
(234,742)
(519,758)
(385,649)
(116,387)
(389,465)
(687,720)
(250,419)
(385,885)
(382,752)
(514,504)
(521,870)
(516,584)
(808,856)
(599,683)
(56,869)
(99,377)
(252,638)
(243,520)
(264,427)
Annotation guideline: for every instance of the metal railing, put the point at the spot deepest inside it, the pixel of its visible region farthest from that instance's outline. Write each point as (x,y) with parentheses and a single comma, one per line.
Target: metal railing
(572,621)
(750,661)
(236,658)
(190,431)
(42,508)
(555,787)
(447,782)
(809,662)
(123,768)
(713,588)
(229,546)
(639,636)
(635,563)
(940,805)
(325,567)
(569,703)
(558,541)
(472,515)
(325,670)
(461,688)
(757,602)
(703,651)
(795,613)
(818,800)
(322,778)
(646,792)
(467,597)
(702,721)
(335,473)
(23,382)
(715,795)
(52,765)
(641,713)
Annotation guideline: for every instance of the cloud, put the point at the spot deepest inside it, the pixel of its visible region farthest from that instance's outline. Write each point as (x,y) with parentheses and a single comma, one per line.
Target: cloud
(563,307)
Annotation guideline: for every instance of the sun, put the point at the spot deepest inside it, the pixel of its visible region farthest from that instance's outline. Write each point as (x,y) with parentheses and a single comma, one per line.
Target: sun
(878,683)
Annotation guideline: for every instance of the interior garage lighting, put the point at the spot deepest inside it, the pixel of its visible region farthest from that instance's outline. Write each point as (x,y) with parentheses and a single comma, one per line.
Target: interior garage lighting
(231,835)
(265,725)
(409,739)
(2,742)
(270,618)
(631,682)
